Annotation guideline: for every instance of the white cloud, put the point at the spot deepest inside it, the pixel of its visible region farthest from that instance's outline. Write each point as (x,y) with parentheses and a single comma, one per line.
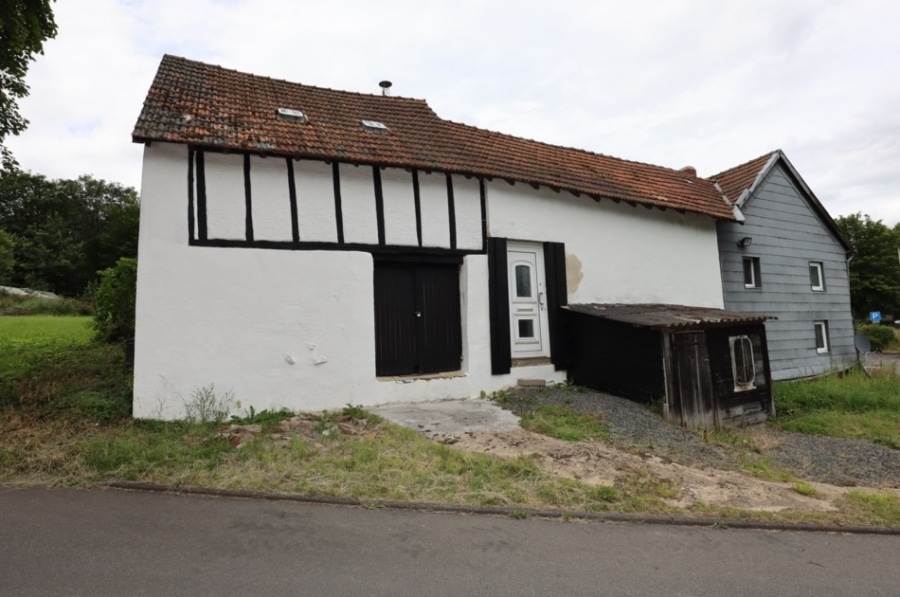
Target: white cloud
(696,82)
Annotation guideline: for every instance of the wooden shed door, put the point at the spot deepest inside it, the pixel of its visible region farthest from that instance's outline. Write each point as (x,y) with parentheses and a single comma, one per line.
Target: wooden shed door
(417,318)
(692,380)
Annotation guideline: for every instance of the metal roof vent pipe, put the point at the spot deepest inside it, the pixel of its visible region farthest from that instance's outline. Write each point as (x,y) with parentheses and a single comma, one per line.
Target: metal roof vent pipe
(385,87)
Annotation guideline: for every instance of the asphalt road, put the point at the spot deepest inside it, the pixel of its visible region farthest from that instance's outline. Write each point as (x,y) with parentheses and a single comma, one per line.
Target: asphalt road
(70,542)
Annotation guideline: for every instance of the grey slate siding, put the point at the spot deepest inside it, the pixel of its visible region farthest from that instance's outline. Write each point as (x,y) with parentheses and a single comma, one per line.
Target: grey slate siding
(787,235)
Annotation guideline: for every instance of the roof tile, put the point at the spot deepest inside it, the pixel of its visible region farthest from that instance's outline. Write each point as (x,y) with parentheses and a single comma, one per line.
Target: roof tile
(199,104)
(735,181)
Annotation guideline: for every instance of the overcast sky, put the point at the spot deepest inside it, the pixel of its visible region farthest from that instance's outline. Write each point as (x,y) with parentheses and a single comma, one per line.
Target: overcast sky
(711,84)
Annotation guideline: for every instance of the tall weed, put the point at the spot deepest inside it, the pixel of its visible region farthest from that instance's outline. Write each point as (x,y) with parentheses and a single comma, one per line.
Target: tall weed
(11,304)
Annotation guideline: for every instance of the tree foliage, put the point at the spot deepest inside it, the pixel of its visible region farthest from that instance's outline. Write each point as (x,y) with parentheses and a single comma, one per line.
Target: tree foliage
(66,230)
(115,298)
(7,258)
(875,267)
(24,27)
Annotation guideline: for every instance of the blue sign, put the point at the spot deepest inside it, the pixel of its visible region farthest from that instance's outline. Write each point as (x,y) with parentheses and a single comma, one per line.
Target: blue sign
(875,316)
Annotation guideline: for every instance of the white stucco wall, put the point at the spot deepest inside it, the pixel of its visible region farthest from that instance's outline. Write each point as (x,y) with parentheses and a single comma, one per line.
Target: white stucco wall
(626,254)
(358,204)
(274,328)
(315,201)
(271,198)
(435,215)
(399,207)
(295,329)
(467,202)
(226,205)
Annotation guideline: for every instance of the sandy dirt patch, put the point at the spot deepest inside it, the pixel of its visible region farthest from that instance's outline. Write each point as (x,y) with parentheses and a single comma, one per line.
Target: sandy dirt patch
(599,464)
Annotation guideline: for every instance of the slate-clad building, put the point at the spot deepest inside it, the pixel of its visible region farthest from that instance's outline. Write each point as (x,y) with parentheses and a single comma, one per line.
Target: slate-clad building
(787,258)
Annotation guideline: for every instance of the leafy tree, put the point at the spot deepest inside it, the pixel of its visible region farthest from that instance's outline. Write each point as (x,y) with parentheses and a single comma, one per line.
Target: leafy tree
(874,269)
(24,26)
(6,255)
(66,230)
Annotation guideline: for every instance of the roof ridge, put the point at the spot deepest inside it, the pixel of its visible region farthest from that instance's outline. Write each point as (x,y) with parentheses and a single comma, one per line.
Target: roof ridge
(767,155)
(294,83)
(565,147)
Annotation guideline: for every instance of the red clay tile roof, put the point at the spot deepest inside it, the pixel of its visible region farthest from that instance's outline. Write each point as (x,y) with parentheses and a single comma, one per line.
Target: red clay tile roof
(735,181)
(209,106)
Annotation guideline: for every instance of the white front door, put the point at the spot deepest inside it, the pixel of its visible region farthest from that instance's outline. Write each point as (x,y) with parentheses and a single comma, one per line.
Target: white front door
(527,305)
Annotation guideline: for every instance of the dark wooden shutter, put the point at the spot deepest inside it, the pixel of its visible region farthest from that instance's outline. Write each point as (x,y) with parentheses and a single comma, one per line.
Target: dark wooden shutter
(439,325)
(498,293)
(557,298)
(395,319)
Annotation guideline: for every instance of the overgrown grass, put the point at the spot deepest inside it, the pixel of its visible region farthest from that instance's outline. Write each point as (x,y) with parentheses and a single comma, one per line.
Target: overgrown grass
(762,468)
(24,339)
(873,508)
(646,492)
(50,366)
(851,405)
(63,415)
(564,423)
(11,304)
(804,488)
(392,463)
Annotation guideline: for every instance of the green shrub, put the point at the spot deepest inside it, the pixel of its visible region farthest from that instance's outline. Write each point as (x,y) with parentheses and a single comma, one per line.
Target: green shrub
(115,298)
(881,336)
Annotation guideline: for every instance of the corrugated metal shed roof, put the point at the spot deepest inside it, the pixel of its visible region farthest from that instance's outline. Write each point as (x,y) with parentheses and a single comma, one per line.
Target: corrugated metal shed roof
(661,316)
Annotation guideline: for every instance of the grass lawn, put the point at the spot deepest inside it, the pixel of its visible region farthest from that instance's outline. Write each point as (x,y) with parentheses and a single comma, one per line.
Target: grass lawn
(26,337)
(49,364)
(851,405)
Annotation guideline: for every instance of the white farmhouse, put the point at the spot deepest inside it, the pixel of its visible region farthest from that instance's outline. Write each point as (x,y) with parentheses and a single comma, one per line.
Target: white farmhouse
(308,248)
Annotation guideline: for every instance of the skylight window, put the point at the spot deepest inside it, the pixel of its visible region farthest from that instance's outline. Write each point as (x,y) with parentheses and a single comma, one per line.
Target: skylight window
(374,126)
(291,115)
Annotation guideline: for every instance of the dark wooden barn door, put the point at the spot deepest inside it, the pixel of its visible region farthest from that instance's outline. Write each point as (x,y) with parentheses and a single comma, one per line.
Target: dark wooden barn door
(692,380)
(417,318)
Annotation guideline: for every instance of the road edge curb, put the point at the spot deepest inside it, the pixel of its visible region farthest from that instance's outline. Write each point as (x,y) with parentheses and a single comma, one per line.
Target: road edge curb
(717,523)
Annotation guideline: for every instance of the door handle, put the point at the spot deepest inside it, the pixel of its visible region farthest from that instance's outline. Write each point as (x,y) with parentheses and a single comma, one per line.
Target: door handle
(418,314)
(541,299)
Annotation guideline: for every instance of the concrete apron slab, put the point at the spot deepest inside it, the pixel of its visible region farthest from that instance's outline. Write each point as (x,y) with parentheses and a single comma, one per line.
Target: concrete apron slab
(447,418)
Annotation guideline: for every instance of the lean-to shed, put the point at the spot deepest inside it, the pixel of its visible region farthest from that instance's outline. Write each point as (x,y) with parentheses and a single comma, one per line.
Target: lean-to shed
(708,367)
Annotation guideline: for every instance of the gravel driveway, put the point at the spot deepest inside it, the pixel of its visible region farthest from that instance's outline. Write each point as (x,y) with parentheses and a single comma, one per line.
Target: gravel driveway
(635,427)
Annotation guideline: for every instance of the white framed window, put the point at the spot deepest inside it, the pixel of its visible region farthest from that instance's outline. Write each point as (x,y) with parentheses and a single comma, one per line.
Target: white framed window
(743,366)
(752,277)
(821,336)
(816,276)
